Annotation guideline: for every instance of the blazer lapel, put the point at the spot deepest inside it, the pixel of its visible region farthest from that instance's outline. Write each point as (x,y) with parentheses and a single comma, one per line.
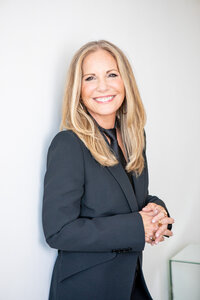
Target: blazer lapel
(120,175)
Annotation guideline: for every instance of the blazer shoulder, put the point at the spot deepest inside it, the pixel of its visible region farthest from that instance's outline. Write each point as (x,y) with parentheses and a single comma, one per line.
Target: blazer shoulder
(65,137)
(66,142)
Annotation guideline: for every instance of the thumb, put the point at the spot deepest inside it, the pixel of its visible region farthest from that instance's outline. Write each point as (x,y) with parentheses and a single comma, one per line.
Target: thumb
(147,208)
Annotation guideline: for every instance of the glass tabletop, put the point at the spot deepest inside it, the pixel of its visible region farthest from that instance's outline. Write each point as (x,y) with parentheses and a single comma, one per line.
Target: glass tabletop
(189,254)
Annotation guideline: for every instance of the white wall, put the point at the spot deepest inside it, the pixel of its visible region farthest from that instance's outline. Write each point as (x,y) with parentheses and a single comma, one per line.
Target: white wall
(38,39)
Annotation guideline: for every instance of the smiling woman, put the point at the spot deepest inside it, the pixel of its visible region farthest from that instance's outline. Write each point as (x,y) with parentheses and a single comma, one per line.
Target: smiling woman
(96,208)
(102,89)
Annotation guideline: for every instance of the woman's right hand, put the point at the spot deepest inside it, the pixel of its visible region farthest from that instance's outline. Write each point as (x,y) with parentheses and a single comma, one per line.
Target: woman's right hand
(149,227)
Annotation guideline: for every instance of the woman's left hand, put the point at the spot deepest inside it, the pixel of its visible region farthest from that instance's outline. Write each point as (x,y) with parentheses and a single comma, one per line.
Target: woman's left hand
(159,215)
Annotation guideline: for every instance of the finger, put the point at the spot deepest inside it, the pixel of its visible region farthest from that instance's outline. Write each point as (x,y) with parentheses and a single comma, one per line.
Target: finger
(149,206)
(149,239)
(156,209)
(158,217)
(155,212)
(160,231)
(150,213)
(151,243)
(161,209)
(166,221)
(160,239)
(168,232)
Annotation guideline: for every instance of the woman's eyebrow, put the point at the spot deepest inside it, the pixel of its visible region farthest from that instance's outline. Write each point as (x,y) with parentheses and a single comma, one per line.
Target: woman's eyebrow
(94,73)
(88,74)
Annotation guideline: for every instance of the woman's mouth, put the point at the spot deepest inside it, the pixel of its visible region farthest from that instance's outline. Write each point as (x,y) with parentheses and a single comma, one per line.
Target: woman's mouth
(104,99)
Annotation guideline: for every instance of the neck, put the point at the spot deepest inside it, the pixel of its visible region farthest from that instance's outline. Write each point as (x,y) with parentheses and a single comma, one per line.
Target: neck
(107,122)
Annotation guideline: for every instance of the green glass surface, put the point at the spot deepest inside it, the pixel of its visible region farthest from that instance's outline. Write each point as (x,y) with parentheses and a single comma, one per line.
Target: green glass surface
(189,255)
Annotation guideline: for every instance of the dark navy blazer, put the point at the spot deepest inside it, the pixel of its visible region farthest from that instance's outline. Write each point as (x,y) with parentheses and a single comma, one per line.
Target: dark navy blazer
(90,214)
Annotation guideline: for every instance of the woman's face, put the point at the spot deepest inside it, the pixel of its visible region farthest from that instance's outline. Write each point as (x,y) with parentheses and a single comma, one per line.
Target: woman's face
(102,89)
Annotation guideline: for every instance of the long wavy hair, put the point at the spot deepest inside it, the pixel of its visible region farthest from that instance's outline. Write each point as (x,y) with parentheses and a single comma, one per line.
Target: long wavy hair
(131,115)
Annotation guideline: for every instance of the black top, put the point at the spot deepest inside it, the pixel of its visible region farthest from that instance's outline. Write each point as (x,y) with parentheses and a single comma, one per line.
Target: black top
(110,133)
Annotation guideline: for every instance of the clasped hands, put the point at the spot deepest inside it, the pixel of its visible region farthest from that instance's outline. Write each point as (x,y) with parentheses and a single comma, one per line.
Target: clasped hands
(155,220)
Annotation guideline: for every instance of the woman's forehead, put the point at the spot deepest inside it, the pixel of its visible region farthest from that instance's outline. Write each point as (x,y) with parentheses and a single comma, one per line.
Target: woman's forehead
(98,60)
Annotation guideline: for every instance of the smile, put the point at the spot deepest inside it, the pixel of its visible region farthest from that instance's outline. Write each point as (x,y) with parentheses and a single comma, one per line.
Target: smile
(104,99)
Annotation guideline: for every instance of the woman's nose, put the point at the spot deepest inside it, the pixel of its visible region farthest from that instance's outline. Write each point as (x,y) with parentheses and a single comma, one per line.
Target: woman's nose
(102,85)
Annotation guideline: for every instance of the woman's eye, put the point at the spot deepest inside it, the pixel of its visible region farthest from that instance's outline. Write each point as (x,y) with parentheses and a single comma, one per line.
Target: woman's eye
(112,75)
(89,78)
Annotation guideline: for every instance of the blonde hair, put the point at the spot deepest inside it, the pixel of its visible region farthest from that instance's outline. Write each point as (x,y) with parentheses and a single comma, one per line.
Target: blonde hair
(131,114)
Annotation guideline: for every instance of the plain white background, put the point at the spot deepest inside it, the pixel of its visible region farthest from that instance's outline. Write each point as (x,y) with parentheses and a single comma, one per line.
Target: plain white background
(38,39)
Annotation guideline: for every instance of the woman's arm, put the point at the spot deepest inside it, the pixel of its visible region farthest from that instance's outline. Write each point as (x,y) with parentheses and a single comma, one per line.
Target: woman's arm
(64,185)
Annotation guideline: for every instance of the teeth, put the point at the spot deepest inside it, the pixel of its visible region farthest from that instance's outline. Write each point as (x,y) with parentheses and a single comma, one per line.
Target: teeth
(104,99)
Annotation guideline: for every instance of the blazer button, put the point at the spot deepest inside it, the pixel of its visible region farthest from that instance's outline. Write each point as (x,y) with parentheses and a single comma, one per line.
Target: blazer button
(123,250)
(126,250)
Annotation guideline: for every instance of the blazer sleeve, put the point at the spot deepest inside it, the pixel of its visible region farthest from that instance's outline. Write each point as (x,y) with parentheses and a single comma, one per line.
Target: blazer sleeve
(154,199)
(64,185)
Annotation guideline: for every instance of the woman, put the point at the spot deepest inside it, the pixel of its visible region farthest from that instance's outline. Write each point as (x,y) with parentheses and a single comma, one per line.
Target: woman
(96,208)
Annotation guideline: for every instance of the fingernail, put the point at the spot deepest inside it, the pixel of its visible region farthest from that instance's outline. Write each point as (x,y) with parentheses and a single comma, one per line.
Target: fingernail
(157,234)
(156,242)
(153,221)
